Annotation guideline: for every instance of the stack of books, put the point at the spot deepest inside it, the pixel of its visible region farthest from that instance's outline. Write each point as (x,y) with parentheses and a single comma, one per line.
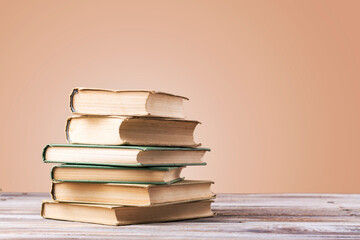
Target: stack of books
(123,161)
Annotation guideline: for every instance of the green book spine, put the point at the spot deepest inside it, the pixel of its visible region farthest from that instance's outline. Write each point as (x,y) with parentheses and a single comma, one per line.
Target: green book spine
(143,148)
(115,167)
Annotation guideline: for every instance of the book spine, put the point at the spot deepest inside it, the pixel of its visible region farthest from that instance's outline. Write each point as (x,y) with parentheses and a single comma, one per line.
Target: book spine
(67,130)
(75,91)
(44,152)
(52,191)
(42,209)
(52,173)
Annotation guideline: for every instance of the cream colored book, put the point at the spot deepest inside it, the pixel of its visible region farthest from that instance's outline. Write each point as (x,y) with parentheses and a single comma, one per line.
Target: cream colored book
(121,215)
(107,174)
(130,131)
(131,194)
(134,156)
(89,101)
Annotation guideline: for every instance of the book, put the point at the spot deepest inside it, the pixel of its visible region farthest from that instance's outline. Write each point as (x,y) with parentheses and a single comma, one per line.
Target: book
(89,101)
(114,130)
(125,215)
(107,174)
(131,194)
(133,156)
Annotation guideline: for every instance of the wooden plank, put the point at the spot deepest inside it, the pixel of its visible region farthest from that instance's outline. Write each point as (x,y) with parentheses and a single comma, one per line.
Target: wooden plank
(240,216)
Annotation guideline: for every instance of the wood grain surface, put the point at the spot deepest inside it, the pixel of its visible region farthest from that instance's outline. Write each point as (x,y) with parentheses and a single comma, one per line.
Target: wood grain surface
(239,216)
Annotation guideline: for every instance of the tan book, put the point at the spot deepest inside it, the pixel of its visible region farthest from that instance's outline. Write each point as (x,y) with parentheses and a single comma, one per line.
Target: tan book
(131,194)
(88,101)
(134,156)
(130,131)
(108,174)
(121,215)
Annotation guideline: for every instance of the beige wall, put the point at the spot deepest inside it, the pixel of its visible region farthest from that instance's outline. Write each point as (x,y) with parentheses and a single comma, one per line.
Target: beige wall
(275,83)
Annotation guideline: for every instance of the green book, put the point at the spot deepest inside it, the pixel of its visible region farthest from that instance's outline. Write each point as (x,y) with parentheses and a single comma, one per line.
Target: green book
(126,156)
(108,174)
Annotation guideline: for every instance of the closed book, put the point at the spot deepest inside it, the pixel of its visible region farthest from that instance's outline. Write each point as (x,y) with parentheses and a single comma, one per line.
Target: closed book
(89,101)
(130,131)
(131,194)
(134,156)
(107,174)
(125,215)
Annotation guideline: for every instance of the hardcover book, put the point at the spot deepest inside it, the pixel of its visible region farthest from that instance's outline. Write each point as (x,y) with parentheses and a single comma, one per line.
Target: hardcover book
(134,156)
(125,215)
(107,174)
(131,194)
(89,101)
(113,130)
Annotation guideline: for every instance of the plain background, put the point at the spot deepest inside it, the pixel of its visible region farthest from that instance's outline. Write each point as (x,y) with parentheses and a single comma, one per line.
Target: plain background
(274,83)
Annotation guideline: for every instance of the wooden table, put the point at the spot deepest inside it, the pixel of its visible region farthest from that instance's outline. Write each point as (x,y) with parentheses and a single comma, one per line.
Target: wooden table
(239,216)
